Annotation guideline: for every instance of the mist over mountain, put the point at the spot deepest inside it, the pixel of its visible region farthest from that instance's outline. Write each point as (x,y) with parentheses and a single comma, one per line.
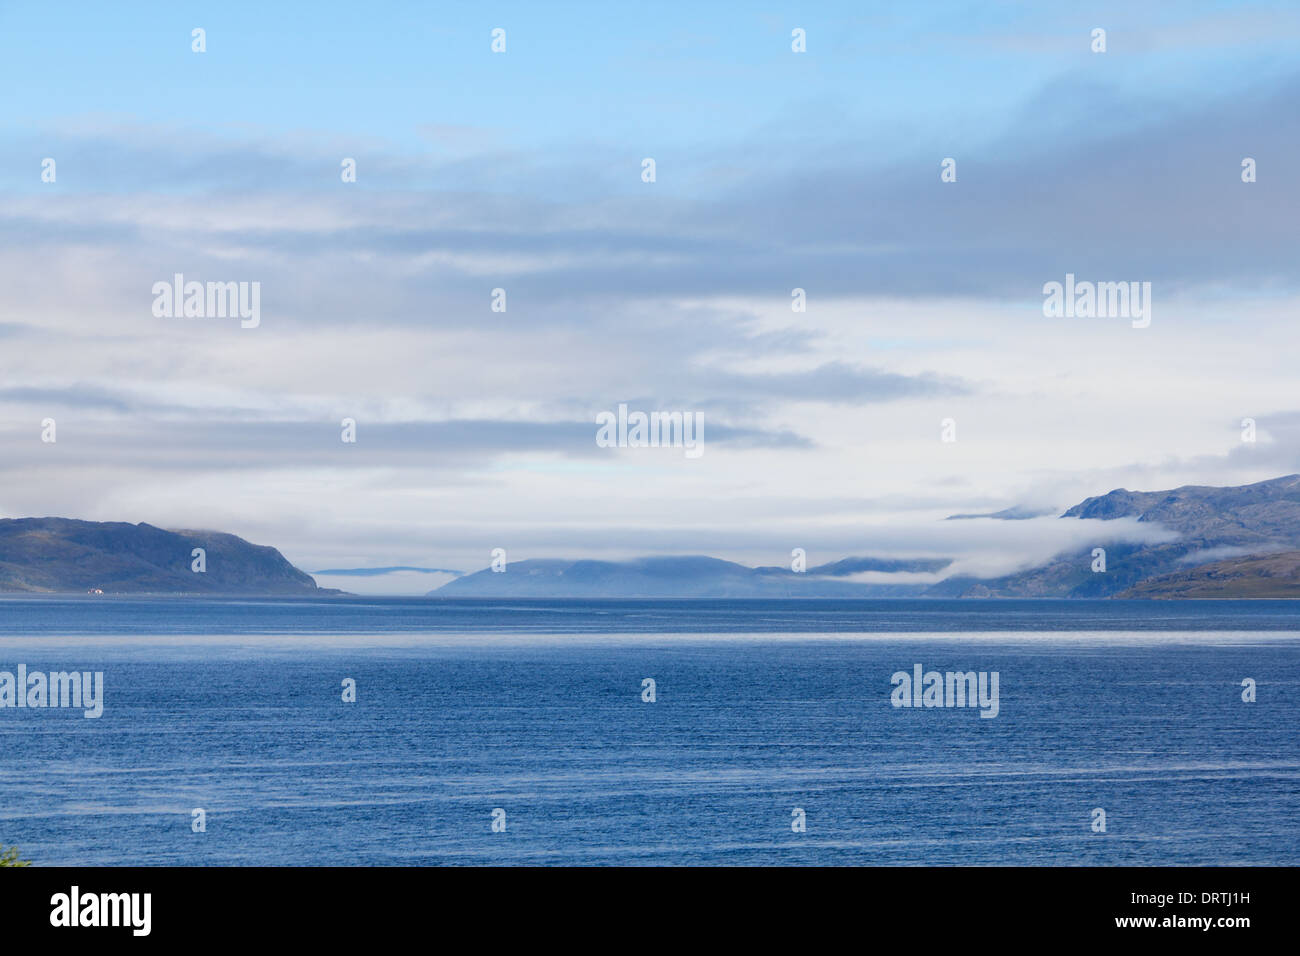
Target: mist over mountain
(694,576)
(67,555)
(1218,542)
(1230,531)
(1212,524)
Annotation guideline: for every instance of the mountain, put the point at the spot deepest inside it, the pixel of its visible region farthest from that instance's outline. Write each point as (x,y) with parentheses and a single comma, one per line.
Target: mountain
(680,577)
(1211,525)
(1267,511)
(1229,542)
(849,566)
(378,572)
(1017,513)
(63,554)
(1257,576)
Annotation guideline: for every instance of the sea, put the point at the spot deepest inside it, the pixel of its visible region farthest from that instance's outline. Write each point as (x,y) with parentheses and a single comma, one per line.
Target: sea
(417,731)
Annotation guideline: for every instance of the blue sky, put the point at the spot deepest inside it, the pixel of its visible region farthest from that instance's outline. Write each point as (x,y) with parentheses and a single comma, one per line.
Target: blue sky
(688,83)
(521,170)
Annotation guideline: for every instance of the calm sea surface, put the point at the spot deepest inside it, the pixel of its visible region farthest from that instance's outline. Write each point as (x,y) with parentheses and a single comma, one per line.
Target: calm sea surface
(535,708)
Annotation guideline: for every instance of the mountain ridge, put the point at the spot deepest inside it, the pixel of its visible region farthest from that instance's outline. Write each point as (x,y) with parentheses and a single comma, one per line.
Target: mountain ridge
(62,555)
(683,576)
(1232,527)
(1241,541)
(1261,517)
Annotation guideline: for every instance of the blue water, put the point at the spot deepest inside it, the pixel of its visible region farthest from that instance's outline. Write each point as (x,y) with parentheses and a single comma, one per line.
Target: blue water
(535,708)
(25,616)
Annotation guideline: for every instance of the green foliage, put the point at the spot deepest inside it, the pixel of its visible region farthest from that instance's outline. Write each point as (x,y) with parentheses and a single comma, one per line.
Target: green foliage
(9,857)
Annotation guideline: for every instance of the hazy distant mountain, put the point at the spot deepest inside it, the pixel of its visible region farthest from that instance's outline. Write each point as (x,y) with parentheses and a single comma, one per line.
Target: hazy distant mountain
(63,554)
(378,572)
(1015,513)
(680,577)
(1228,542)
(848,566)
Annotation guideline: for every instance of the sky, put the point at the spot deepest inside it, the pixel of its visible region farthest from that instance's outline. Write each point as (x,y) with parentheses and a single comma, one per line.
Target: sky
(522,170)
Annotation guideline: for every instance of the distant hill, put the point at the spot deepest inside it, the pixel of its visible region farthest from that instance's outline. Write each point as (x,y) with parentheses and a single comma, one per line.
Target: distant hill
(67,555)
(379,572)
(679,577)
(1017,513)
